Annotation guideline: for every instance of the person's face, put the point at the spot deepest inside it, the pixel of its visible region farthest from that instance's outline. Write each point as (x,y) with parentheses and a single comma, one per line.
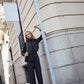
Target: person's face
(28,35)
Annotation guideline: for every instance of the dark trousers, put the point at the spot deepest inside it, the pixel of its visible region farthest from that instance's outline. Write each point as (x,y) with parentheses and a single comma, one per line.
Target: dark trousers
(34,66)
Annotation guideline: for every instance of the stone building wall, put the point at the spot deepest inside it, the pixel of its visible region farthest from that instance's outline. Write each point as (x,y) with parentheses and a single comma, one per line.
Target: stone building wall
(63,23)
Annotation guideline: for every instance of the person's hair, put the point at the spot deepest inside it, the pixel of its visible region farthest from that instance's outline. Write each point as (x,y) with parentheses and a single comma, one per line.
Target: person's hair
(32,36)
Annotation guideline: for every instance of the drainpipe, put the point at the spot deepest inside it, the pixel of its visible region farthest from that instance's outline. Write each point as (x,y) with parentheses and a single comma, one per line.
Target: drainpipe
(45,43)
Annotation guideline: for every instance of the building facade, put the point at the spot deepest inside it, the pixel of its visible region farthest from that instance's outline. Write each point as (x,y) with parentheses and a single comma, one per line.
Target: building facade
(4,64)
(63,23)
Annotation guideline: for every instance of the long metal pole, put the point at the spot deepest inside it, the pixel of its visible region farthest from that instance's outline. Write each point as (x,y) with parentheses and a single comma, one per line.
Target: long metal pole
(45,42)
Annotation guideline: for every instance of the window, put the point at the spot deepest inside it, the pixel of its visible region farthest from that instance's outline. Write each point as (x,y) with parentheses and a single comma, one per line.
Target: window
(12,13)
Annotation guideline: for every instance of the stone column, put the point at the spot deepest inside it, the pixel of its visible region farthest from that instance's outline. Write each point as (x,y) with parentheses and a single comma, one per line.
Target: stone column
(64,22)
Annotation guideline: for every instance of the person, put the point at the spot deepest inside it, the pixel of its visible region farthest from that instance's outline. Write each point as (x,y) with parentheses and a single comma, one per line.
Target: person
(29,50)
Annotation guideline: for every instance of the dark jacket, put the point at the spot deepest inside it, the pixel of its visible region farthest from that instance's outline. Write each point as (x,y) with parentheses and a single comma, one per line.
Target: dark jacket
(31,46)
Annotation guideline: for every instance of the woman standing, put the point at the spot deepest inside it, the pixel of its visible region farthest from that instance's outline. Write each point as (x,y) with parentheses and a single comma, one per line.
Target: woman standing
(30,49)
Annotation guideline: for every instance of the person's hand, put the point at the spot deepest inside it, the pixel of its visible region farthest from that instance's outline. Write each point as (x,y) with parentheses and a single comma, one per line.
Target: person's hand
(26,54)
(37,27)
